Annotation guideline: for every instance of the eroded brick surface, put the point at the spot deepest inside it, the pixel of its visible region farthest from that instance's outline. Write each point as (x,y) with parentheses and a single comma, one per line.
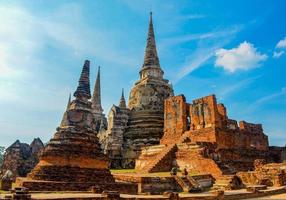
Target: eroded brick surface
(272,174)
(21,158)
(205,140)
(72,159)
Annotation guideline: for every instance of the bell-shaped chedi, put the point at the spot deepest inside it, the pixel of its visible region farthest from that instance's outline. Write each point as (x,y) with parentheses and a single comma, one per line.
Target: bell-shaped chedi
(146,104)
(72,159)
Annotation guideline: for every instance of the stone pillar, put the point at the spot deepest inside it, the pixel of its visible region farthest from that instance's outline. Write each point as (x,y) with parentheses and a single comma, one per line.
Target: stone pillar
(139,187)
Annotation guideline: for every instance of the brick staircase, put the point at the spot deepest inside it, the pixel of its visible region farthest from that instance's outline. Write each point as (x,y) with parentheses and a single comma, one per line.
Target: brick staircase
(227,182)
(153,164)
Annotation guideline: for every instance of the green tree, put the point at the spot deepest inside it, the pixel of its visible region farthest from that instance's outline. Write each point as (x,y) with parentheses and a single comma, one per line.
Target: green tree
(2,150)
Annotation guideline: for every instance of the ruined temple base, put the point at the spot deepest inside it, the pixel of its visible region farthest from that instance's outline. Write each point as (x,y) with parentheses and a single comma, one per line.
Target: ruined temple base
(270,193)
(159,183)
(39,185)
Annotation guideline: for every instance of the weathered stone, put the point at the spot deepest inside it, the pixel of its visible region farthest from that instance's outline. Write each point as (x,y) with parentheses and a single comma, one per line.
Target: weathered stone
(228,182)
(72,160)
(21,193)
(6,181)
(21,158)
(171,195)
(111,195)
(255,188)
(141,124)
(198,137)
(219,194)
(112,139)
(258,163)
(146,104)
(100,121)
(272,174)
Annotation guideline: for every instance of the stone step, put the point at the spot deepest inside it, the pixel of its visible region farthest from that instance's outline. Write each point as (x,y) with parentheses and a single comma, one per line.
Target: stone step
(158,158)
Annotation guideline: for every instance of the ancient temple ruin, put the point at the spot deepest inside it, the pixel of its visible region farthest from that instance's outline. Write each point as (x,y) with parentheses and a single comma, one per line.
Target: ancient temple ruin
(72,159)
(144,126)
(20,158)
(112,139)
(200,137)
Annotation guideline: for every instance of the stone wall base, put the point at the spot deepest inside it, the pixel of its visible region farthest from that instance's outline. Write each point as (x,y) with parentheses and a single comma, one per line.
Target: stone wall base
(36,185)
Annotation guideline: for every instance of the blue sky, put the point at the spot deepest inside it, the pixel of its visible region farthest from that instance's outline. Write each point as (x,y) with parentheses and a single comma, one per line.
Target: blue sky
(234,49)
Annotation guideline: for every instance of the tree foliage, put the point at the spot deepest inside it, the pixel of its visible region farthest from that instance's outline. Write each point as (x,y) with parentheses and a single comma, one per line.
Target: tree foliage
(2,150)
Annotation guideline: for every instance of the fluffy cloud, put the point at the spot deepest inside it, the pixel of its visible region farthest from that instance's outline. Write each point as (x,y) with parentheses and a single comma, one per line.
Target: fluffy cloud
(207,43)
(24,35)
(278,54)
(244,57)
(280,48)
(281,44)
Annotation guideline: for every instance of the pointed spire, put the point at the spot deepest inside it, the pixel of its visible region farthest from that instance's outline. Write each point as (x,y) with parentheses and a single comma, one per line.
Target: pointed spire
(83,89)
(151,58)
(69,102)
(122,103)
(96,98)
(65,119)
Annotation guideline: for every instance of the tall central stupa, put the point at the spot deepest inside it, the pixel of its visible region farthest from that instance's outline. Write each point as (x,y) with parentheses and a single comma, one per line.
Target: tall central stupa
(141,123)
(146,102)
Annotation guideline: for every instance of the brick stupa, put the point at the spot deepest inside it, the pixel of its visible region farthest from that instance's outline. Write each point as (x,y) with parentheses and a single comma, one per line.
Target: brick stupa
(72,160)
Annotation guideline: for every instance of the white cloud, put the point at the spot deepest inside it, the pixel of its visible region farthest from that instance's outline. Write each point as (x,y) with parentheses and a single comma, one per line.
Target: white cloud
(281,44)
(278,54)
(244,57)
(207,44)
(24,35)
(17,42)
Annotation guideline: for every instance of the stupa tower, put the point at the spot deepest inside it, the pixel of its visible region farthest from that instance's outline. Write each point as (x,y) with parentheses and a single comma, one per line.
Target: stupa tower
(146,102)
(96,107)
(72,159)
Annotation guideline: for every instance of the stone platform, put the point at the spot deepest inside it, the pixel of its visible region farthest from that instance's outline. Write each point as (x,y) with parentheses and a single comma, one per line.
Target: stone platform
(270,193)
(51,186)
(158,183)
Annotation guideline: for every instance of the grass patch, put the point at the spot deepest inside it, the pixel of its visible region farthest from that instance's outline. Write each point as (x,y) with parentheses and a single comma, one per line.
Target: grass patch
(3,192)
(159,174)
(155,174)
(122,171)
(133,171)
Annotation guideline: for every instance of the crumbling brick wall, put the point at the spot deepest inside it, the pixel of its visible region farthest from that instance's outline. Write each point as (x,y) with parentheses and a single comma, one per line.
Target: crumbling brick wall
(254,133)
(207,121)
(197,159)
(204,113)
(175,119)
